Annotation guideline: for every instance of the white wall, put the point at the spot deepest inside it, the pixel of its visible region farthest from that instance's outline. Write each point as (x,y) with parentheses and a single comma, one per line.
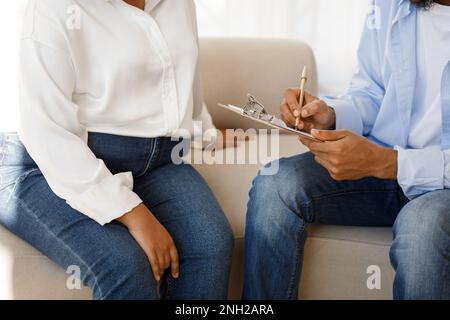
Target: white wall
(331,27)
(10,22)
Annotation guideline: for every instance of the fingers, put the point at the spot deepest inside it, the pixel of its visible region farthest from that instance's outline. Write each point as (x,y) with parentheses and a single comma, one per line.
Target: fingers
(291,109)
(175,262)
(153,259)
(322,162)
(316,147)
(291,97)
(330,135)
(287,115)
(165,260)
(313,108)
(306,142)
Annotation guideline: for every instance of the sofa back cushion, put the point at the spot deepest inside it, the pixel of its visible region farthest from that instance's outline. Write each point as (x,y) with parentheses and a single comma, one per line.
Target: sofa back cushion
(232,68)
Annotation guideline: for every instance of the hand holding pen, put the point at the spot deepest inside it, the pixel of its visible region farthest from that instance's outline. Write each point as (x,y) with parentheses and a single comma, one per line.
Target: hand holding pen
(303,111)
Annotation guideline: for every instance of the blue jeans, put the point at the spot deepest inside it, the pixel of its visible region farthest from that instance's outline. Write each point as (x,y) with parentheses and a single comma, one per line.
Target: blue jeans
(112,264)
(282,205)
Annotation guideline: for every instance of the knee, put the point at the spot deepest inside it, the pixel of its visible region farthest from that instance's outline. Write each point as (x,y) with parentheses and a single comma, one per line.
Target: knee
(421,237)
(289,188)
(214,241)
(221,239)
(125,274)
(425,219)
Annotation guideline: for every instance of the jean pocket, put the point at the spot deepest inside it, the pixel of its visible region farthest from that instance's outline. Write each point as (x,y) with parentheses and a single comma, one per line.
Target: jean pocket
(12,175)
(15,162)
(121,153)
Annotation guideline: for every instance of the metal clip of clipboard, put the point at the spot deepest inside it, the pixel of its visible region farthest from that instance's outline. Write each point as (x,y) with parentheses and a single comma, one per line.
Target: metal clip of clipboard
(256,110)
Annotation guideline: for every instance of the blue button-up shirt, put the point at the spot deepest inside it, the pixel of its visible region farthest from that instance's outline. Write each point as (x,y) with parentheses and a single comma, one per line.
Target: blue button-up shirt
(380,101)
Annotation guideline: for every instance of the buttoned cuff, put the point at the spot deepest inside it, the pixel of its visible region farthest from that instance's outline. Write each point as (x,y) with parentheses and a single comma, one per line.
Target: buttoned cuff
(420,171)
(108,200)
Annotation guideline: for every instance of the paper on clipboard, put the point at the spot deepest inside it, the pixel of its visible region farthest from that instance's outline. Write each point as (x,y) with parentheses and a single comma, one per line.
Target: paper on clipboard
(270,121)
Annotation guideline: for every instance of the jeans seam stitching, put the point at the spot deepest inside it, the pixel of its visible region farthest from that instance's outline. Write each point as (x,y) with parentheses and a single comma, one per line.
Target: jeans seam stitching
(2,151)
(338,194)
(147,157)
(150,157)
(18,180)
(30,212)
(2,157)
(296,263)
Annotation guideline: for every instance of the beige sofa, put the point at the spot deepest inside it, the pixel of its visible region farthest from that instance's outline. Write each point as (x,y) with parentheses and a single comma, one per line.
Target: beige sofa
(336,258)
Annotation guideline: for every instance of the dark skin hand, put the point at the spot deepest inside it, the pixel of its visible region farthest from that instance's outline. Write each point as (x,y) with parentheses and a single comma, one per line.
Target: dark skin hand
(346,156)
(145,228)
(314,114)
(140,4)
(154,239)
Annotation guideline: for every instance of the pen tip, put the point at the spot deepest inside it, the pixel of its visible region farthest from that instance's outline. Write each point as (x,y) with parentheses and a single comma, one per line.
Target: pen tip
(304,72)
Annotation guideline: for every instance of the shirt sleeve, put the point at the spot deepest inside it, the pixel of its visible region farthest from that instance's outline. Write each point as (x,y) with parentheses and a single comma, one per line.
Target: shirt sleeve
(357,110)
(422,171)
(55,139)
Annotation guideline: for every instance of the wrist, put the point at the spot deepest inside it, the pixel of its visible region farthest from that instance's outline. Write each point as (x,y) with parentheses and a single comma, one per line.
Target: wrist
(386,164)
(332,123)
(133,218)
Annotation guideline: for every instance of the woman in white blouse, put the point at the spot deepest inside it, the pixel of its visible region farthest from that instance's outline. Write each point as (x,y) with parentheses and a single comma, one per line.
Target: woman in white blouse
(90,181)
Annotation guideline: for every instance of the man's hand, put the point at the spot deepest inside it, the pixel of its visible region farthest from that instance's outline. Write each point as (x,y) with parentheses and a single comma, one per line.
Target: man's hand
(348,156)
(154,239)
(314,114)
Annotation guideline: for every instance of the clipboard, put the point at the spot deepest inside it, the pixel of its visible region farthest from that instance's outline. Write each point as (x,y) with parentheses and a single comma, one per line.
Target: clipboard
(256,112)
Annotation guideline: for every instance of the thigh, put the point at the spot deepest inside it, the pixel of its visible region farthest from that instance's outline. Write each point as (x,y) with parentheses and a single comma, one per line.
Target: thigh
(425,221)
(306,185)
(420,253)
(182,201)
(32,211)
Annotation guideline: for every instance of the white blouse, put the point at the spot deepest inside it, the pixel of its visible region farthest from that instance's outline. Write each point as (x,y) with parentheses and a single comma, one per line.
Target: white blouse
(104,66)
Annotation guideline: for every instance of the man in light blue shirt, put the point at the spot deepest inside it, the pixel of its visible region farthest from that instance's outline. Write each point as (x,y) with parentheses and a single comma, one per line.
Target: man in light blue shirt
(385,160)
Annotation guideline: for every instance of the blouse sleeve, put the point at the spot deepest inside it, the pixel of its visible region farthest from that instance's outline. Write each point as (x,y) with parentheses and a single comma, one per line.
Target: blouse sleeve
(55,139)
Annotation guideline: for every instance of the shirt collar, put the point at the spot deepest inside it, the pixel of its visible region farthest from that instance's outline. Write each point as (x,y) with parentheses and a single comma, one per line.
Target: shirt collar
(149,4)
(404,10)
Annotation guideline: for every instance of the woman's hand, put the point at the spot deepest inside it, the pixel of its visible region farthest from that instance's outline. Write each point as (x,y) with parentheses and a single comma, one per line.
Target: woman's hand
(314,114)
(154,239)
(229,139)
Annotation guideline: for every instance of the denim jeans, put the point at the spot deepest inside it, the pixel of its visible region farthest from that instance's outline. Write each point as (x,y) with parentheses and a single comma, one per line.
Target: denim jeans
(110,260)
(302,193)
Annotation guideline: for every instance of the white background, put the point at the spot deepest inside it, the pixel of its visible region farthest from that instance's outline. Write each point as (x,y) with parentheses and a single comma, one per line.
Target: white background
(10,13)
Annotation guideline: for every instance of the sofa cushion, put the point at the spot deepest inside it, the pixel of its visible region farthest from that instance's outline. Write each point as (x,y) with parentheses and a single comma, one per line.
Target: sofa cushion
(336,257)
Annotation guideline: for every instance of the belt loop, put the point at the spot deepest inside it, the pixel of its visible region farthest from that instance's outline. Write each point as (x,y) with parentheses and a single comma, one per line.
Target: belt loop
(2,149)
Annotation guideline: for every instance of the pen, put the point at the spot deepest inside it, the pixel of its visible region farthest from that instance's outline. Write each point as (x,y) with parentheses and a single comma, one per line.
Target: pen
(302,95)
